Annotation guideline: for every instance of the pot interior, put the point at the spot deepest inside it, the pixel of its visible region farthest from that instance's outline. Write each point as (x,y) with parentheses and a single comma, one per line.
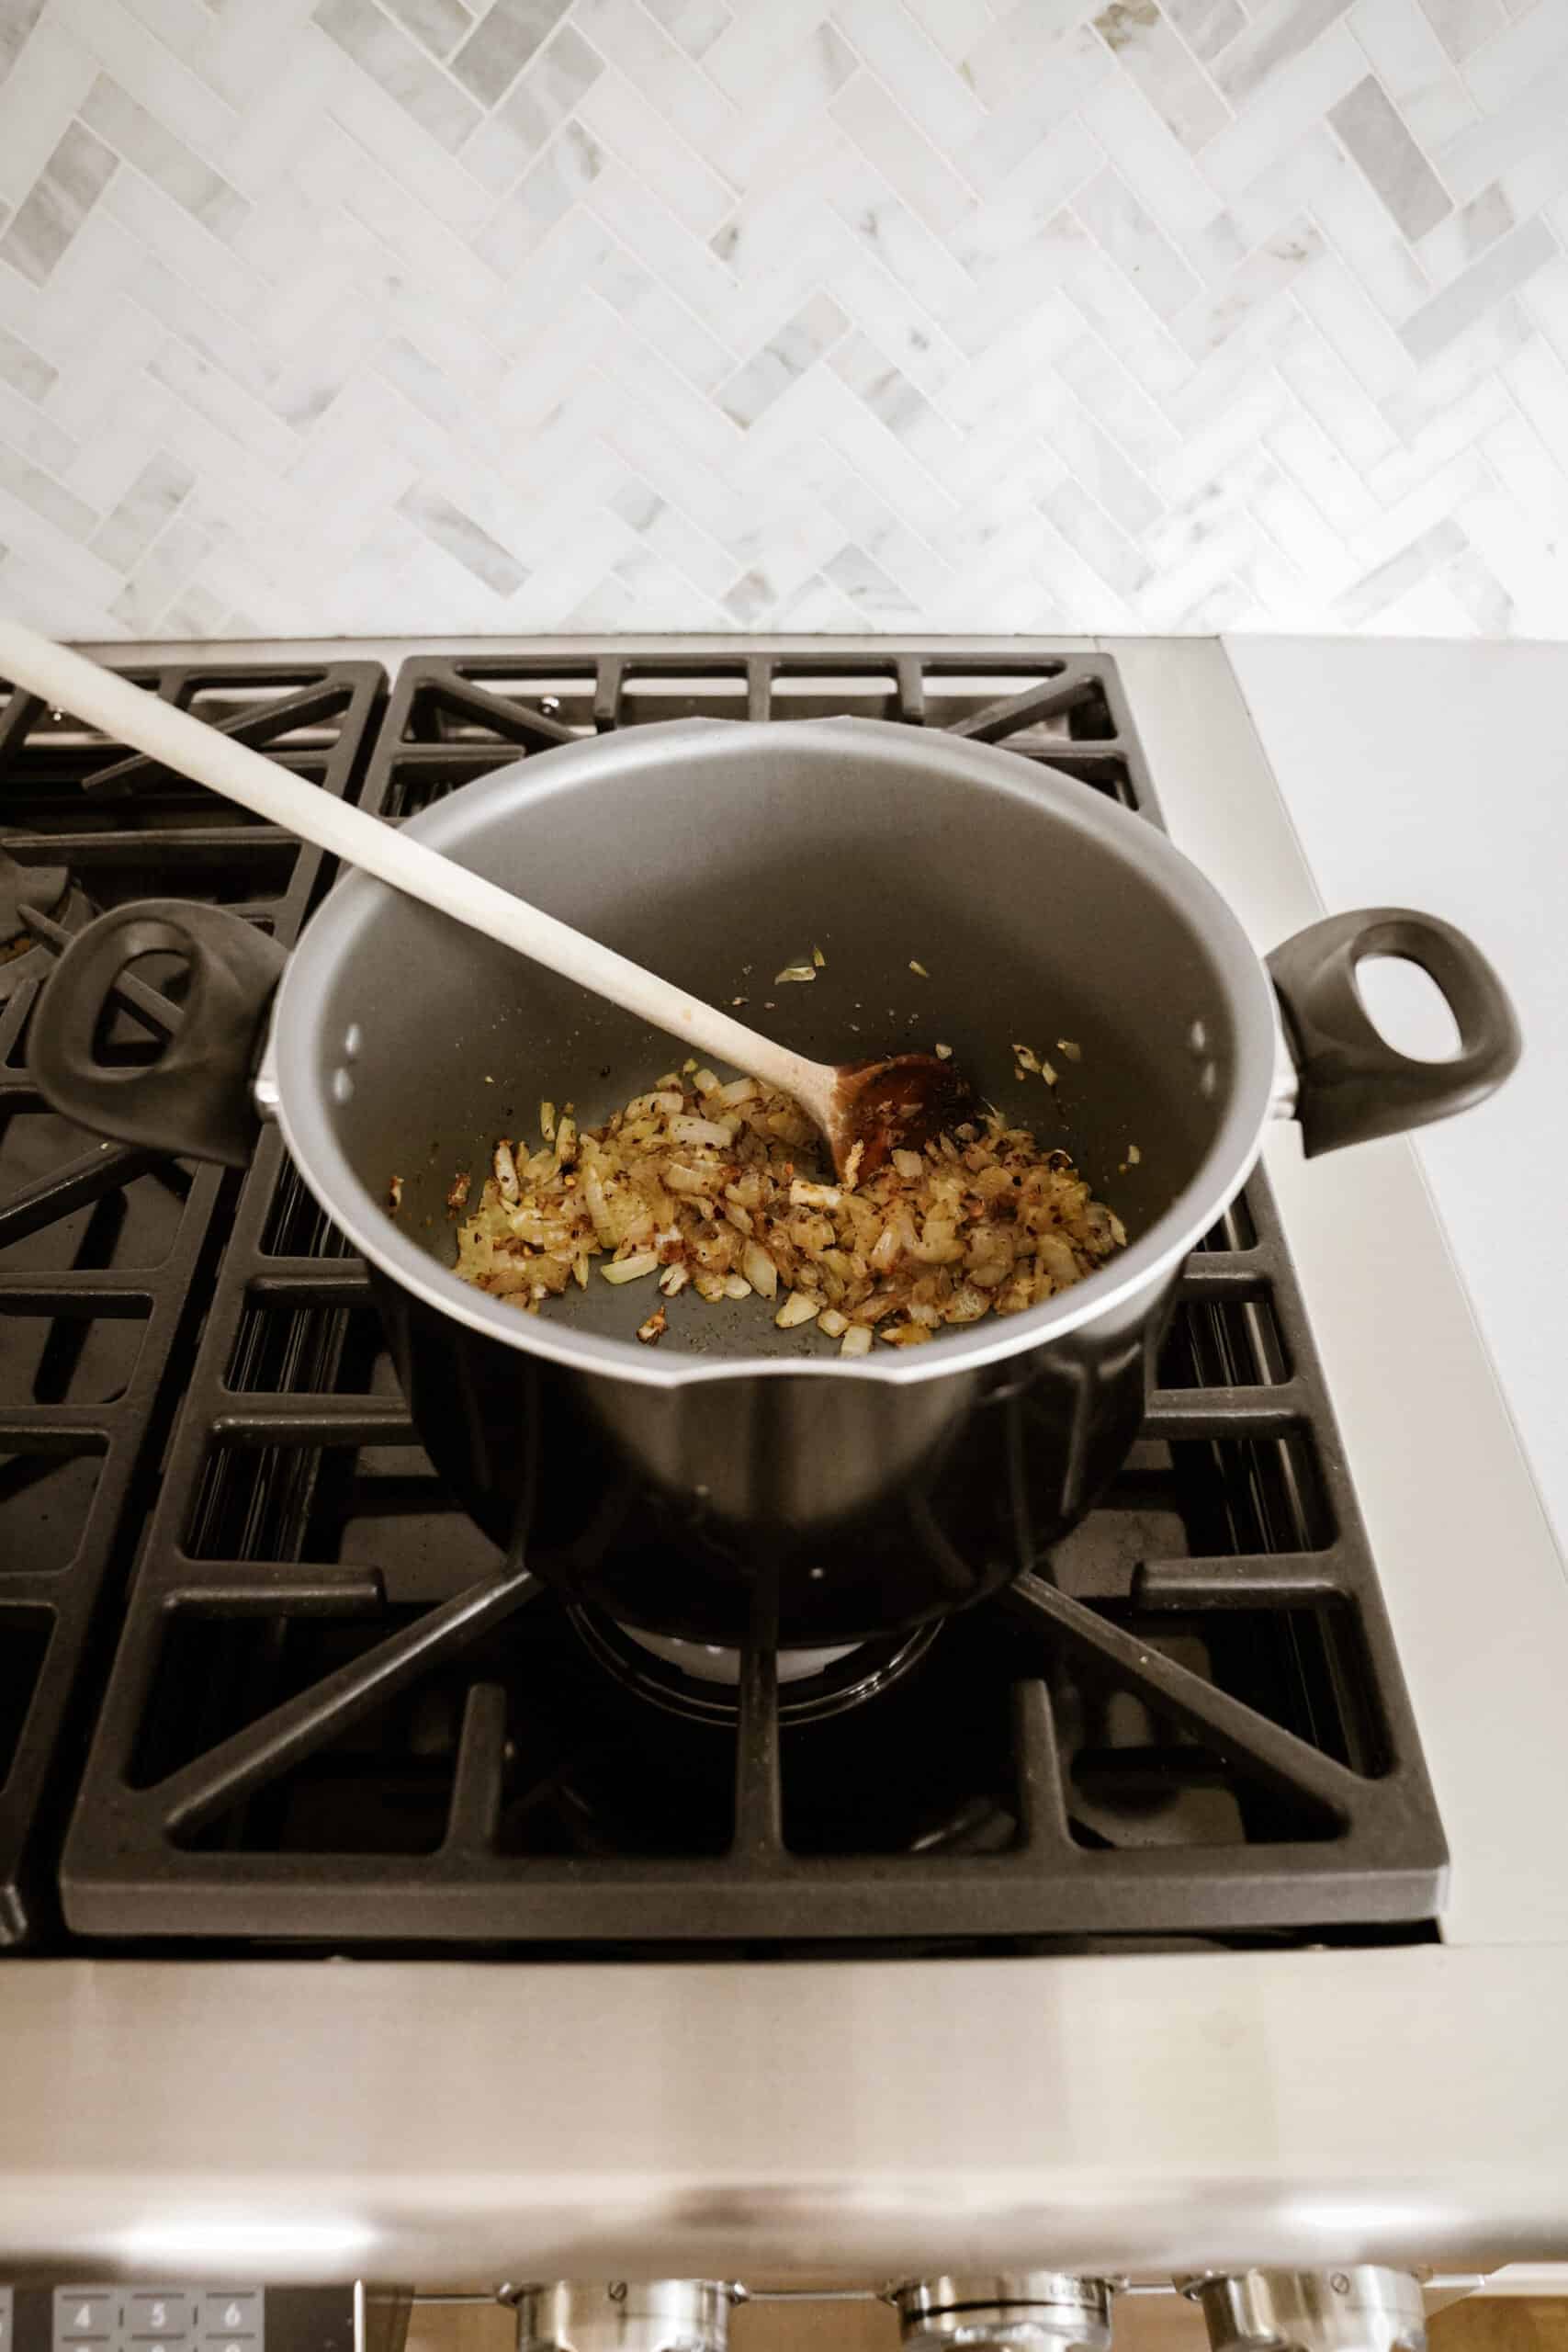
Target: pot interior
(719,854)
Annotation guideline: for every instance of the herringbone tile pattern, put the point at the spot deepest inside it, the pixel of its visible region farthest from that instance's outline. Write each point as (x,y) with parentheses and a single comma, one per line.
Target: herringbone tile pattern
(450,315)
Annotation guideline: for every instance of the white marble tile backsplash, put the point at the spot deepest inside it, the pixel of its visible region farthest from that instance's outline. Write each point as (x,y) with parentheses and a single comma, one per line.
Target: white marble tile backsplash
(370,316)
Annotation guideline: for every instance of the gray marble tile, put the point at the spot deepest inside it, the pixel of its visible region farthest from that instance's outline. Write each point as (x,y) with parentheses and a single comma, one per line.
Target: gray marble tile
(1500,272)
(17,18)
(464,540)
(695,24)
(1280,30)
(58,202)
(502,43)
(384,51)
(1462,25)
(539,101)
(1392,160)
(22,367)
(153,500)
(137,138)
(1180,92)
(1206,26)
(753,388)
(439,24)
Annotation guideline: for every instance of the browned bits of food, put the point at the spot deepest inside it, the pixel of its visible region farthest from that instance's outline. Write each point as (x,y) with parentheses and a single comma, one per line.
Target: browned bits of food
(457,1198)
(718,1189)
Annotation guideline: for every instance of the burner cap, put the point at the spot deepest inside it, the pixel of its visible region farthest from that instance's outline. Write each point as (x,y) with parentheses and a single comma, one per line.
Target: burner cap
(814,1684)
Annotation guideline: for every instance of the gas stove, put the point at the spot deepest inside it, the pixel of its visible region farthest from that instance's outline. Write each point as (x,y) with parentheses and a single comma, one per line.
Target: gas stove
(256,1687)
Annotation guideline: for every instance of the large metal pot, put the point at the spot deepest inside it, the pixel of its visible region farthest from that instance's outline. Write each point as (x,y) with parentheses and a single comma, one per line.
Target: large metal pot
(734,1466)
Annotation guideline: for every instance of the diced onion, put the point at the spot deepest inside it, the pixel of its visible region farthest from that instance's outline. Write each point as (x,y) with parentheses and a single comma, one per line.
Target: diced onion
(632,1269)
(711,1187)
(759,1270)
(689,1130)
(505,1168)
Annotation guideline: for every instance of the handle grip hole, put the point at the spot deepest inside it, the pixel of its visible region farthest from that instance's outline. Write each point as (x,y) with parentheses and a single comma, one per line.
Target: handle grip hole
(1408,1008)
(133,1028)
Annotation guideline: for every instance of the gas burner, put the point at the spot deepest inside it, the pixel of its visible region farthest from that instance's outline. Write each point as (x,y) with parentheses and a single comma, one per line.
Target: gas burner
(26,893)
(702,1683)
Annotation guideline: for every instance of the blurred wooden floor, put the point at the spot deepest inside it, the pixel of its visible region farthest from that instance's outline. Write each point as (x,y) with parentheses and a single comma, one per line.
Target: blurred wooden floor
(1143,2324)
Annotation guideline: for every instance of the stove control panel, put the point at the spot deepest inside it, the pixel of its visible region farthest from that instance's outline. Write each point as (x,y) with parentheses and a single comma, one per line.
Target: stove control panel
(131,2315)
(158,2319)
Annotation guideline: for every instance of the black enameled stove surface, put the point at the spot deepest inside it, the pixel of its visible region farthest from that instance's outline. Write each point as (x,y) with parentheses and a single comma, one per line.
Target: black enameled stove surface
(262,1685)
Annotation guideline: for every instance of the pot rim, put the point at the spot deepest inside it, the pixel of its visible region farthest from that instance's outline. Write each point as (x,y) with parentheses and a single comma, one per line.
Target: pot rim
(302,1114)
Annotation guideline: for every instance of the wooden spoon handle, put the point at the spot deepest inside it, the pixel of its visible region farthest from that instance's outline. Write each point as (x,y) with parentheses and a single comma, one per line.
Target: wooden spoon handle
(127,712)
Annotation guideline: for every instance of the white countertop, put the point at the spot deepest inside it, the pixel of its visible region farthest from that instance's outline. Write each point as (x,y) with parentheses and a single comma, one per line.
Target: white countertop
(453,2123)
(1437,776)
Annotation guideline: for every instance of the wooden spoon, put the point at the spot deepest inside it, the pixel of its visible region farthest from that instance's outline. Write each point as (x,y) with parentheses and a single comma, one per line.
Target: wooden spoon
(865,1107)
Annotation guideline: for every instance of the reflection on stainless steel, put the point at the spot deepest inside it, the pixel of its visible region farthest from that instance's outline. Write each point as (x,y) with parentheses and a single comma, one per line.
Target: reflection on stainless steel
(1357,2308)
(1018,2311)
(624,2315)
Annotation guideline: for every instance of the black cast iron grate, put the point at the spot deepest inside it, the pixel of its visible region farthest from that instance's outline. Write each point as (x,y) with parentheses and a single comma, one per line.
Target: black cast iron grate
(103,1250)
(337,1716)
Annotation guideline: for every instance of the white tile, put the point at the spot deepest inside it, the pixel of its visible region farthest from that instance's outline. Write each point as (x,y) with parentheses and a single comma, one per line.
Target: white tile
(39,95)
(1507,266)
(691,96)
(911,67)
(956,25)
(38,439)
(1017,54)
(1530,121)
(151,71)
(1460,424)
(1444,383)
(1308,459)
(1246,303)
(645,225)
(756,147)
(1339,305)
(1178,90)
(1464,26)
(1529,471)
(1014,150)
(1130,238)
(1415,69)
(1280,31)
(1174,188)
(621,119)
(1538,381)
(1298,97)
(1123,408)
(912,167)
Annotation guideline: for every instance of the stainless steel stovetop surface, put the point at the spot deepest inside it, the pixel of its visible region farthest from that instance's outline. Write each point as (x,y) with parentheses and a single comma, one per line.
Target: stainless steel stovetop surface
(450,2121)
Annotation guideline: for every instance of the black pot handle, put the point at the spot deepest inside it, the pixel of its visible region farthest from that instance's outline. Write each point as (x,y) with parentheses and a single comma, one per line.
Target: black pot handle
(195,1100)
(1353,1084)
